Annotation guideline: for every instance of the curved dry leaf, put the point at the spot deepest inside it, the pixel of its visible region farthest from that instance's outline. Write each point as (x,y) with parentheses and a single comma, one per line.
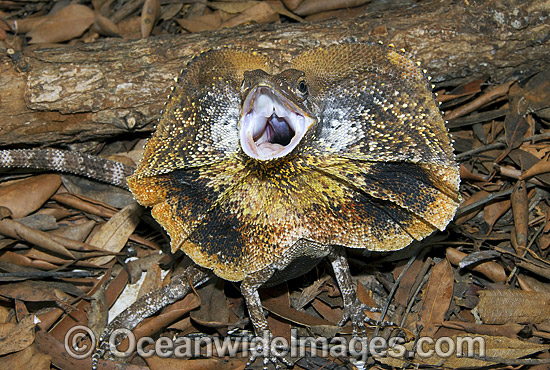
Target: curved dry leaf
(293,315)
(280,8)
(493,211)
(29,358)
(494,346)
(512,306)
(66,24)
(169,314)
(292,4)
(104,26)
(213,311)
(516,127)
(15,337)
(537,93)
(316,6)
(149,15)
(520,211)
(491,270)
(232,7)
(543,166)
(437,298)
(17,230)
(482,194)
(259,13)
(26,196)
(206,22)
(25,25)
(114,234)
(508,330)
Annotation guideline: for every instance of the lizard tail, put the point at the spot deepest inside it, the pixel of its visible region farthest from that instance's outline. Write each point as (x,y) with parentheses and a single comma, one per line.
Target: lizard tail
(77,163)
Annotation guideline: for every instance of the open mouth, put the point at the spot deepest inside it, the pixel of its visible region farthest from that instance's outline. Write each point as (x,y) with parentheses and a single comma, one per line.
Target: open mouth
(271,126)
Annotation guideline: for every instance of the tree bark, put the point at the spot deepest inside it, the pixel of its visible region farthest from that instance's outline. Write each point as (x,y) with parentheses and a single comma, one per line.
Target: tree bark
(117,87)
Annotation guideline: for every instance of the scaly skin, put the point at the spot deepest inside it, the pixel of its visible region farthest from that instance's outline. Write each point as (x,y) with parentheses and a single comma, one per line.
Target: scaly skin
(372,168)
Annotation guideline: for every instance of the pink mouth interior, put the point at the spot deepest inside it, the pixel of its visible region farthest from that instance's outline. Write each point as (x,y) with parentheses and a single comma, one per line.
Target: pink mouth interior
(271,126)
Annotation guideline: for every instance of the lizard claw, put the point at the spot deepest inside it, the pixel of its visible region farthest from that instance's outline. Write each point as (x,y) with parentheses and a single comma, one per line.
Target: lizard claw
(356,314)
(271,353)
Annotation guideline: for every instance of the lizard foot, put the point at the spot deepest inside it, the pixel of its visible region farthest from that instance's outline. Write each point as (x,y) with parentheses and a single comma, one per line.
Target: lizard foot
(355,313)
(271,351)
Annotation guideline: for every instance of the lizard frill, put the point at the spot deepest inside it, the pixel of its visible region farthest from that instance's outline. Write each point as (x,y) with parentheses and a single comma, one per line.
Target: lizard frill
(375,171)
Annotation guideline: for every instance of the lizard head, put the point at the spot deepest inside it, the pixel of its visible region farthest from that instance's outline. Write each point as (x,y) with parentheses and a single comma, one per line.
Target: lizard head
(276,114)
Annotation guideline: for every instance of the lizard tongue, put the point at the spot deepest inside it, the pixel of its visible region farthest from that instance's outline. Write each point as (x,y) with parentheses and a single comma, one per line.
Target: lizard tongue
(275,131)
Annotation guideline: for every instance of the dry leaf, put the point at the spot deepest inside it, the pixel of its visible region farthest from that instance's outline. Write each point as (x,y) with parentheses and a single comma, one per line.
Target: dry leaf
(207,22)
(292,4)
(114,234)
(211,363)
(280,8)
(25,25)
(233,7)
(15,337)
(169,314)
(56,349)
(152,280)
(66,24)
(213,311)
(346,13)
(473,199)
(308,7)
(104,26)
(502,347)
(466,174)
(437,298)
(508,330)
(520,210)
(333,315)
(28,195)
(469,88)
(543,166)
(515,125)
(512,306)
(259,13)
(491,270)
(537,93)
(407,282)
(29,358)
(19,231)
(149,15)
(292,314)
(493,211)
(279,327)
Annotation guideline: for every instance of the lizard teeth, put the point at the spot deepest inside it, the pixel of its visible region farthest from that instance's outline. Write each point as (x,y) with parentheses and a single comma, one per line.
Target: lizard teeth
(271,126)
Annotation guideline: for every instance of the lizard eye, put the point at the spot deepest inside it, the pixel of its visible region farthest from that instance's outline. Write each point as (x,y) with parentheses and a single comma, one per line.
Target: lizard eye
(302,87)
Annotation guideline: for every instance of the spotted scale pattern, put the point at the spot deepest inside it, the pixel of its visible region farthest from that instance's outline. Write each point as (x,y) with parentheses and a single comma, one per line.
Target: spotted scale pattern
(83,164)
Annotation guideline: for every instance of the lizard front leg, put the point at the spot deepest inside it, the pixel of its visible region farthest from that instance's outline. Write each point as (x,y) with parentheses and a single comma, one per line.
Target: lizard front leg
(148,304)
(249,289)
(354,310)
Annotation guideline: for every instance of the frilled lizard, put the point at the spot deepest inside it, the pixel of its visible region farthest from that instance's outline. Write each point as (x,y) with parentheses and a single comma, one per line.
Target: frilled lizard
(258,170)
